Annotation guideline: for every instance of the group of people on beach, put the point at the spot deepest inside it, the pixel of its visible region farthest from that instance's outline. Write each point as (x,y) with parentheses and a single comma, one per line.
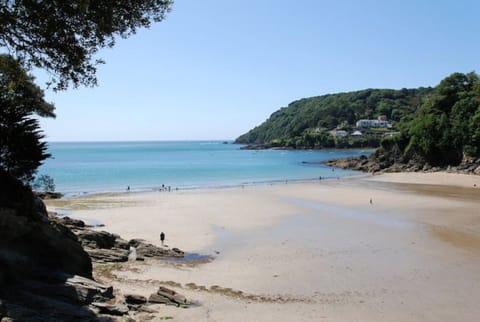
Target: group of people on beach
(163,188)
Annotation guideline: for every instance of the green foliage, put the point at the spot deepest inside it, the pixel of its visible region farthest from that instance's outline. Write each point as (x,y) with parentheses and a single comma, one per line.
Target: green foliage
(446,127)
(44,183)
(334,111)
(440,126)
(63,37)
(21,148)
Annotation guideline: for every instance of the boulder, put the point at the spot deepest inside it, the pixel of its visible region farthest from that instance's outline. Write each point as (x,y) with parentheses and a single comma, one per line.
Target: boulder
(73,289)
(113,255)
(168,297)
(116,309)
(135,299)
(97,239)
(26,243)
(25,306)
(149,250)
(69,222)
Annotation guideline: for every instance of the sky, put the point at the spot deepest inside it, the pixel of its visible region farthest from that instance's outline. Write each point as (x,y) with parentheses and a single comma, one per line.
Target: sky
(214,69)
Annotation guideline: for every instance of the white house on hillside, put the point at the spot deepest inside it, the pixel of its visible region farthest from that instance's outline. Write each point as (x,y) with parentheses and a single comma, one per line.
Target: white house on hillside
(372,123)
(339,133)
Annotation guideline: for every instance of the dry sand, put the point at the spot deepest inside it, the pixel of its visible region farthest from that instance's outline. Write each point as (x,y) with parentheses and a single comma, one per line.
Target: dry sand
(314,251)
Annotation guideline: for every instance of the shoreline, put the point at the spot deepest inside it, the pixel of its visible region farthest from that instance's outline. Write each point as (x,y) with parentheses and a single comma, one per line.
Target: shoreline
(70,195)
(309,251)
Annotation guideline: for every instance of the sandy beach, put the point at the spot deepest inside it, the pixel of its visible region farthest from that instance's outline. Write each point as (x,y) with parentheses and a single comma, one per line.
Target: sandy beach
(393,247)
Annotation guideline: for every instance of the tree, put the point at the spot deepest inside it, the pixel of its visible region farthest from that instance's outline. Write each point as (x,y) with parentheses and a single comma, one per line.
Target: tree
(44,183)
(21,148)
(445,129)
(63,37)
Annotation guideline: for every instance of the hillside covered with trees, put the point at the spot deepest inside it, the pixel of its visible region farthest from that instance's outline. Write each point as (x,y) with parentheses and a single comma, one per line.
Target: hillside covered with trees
(307,123)
(446,128)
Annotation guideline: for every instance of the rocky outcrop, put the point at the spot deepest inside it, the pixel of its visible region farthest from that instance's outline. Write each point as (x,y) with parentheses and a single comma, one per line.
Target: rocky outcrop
(133,299)
(53,296)
(105,247)
(59,297)
(168,297)
(45,267)
(381,162)
(26,244)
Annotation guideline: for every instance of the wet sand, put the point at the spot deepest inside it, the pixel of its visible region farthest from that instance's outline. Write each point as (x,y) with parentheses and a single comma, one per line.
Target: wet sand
(308,251)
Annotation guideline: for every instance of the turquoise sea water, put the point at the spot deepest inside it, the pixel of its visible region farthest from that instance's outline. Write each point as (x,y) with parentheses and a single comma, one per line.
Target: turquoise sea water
(112,166)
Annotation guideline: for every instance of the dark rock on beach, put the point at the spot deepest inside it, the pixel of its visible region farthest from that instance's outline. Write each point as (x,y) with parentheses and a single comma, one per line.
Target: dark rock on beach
(105,247)
(26,244)
(46,263)
(54,296)
(380,162)
(48,195)
(168,297)
(135,299)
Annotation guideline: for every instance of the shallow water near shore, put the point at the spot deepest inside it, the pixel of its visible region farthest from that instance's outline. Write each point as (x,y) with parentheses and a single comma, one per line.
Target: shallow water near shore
(92,167)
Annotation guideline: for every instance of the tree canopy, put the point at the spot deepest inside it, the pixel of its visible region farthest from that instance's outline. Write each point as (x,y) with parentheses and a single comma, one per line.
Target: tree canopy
(62,37)
(447,126)
(21,148)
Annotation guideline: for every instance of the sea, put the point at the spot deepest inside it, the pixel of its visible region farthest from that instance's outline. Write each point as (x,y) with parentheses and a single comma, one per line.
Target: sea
(94,167)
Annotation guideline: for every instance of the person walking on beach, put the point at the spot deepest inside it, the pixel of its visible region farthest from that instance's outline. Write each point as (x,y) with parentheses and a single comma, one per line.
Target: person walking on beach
(162,237)
(371,201)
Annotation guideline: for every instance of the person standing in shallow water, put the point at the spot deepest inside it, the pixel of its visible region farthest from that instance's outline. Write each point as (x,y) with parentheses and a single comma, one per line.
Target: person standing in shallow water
(162,237)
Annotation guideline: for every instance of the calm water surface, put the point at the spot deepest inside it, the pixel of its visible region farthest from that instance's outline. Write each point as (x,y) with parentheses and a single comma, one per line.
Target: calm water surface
(112,166)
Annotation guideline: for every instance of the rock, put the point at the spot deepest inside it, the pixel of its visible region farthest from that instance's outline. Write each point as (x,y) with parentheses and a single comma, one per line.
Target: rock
(149,250)
(48,195)
(48,245)
(477,170)
(145,309)
(395,161)
(41,209)
(69,222)
(109,309)
(105,247)
(122,243)
(135,242)
(107,255)
(168,297)
(135,299)
(88,290)
(25,306)
(73,289)
(3,310)
(94,239)
(178,252)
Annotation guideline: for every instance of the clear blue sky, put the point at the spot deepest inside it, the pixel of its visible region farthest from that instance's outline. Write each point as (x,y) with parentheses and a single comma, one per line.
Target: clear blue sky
(216,68)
